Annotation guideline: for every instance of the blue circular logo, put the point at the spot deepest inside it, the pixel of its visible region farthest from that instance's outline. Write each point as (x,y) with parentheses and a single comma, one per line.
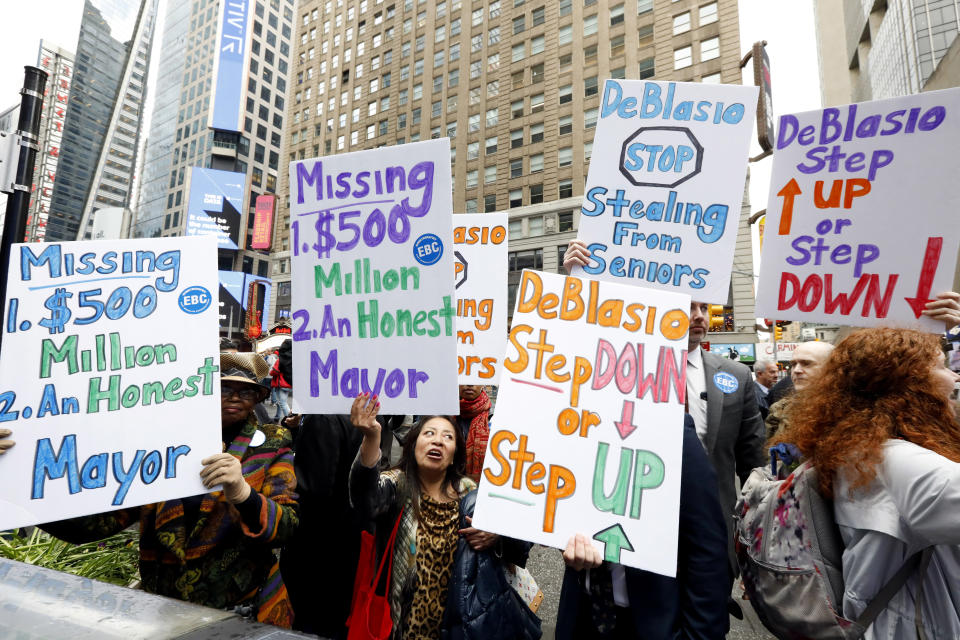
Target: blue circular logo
(428,249)
(725,382)
(195,300)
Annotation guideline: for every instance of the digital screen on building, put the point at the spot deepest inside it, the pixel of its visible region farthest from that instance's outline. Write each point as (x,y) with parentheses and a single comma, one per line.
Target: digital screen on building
(231,61)
(263,222)
(215,204)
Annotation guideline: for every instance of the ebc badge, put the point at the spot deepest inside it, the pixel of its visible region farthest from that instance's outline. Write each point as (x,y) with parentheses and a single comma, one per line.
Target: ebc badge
(428,249)
(725,382)
(195,300)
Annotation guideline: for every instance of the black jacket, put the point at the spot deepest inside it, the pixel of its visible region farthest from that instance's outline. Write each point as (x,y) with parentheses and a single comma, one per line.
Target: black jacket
(481,604)
(692,606)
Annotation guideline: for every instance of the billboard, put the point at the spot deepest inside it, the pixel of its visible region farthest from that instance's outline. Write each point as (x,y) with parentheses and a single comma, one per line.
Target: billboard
(235,296)
(230,64)
(214,206)
(263,222)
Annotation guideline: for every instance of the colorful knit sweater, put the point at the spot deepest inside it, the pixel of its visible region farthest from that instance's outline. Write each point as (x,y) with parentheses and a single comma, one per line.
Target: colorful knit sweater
(222,562)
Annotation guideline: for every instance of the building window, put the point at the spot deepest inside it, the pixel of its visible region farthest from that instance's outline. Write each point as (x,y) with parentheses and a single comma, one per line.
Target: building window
(565,223)
(646,69)
(490,203)
(516,167)
(565,156)
(565,7)
(473,150)
(590,25)
(682,57)
(529,259)
(516,109)
(471,178)
(490,174)
(708,13)
(565,35)
(537,16)
(516,198)
(645,35)
(473,123)
(589,118)
(518,25)
(536,133)
(518,52)
(536,103)
(587,150)
(566,94)
(536,162)
(709,49)
(471,205)
(616,45)
(516,138)
(713,78)
(537,45)
(535,223)
(681,23)
(565,190)
(491,145)
(514,229)
(643,6)
(493,117)
(590,54)
(590,86)
(616,15)
(566,125)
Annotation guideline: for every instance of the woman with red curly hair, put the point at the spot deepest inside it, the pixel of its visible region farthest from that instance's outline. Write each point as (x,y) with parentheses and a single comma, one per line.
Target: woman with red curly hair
(879,427)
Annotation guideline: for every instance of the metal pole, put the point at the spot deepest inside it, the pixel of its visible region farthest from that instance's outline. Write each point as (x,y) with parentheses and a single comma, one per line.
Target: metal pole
(28,128)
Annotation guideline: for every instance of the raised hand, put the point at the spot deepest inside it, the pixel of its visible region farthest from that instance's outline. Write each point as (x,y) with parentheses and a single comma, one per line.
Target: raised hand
(576,255)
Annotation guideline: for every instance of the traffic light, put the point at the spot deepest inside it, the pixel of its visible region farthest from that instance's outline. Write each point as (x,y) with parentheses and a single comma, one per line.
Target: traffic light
(778,333)
(716,317)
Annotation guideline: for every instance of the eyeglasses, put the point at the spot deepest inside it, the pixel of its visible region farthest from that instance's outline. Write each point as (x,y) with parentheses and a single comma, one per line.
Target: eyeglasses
(245,393)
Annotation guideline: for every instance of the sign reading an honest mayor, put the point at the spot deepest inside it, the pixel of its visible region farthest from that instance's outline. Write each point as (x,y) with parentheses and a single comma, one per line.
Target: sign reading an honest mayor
(373,294)
(589,425)
(480,268)
(110,375)
(665,187)
(862,219)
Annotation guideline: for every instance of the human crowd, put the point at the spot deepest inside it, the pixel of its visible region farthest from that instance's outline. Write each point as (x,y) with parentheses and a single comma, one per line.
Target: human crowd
(282,540)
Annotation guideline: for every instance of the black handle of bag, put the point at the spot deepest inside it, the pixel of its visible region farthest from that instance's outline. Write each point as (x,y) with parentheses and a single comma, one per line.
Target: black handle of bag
(916,563)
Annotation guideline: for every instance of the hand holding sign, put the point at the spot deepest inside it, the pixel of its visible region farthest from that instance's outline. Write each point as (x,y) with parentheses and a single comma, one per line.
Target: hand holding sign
(5,444)
(224,469)
(946,309)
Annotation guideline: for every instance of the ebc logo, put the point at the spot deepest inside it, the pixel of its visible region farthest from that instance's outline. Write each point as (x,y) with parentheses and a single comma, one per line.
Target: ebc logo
(195,300)
(428,249)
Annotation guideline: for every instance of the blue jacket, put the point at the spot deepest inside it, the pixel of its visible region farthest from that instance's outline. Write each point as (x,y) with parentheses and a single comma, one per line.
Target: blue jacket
(692,606)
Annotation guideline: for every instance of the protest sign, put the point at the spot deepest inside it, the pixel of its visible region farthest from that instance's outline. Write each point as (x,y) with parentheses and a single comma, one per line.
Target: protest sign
(588,432)
(109,376)
(373,293)
(665,185)
(480,265)
(862,213)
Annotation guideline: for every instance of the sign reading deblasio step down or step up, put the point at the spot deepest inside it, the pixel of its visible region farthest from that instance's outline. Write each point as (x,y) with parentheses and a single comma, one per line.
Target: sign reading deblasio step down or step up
(588,432)
(665,186)
(109,377)
(373,280)
(862,219)
(480,268)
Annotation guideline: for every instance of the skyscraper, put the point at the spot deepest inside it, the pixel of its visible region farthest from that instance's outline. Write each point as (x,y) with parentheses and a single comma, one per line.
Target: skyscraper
(102,125)
(59,65)
(877,49)
(215,133)
(514,84)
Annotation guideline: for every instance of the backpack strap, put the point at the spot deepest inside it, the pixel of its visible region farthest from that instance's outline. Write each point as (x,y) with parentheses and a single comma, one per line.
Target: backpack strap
(924,562)
(918,561)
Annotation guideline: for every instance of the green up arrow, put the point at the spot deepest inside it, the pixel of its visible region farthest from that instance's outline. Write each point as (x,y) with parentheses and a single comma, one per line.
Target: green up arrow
(614,539)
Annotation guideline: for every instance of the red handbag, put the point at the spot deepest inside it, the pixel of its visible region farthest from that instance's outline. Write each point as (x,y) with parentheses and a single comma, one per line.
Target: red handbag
(370,612)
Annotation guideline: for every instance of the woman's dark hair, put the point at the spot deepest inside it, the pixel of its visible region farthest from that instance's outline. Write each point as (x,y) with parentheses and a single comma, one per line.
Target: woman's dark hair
(408,461)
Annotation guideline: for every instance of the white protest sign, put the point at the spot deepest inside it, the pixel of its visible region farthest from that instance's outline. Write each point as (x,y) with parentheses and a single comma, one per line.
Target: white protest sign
(480,255)
(862,219)
(588,433)
(665,185)
(373,297)
(109,376)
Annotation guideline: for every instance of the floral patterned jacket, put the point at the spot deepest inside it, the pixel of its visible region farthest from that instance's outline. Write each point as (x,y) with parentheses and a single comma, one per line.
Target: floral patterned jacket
(227,558)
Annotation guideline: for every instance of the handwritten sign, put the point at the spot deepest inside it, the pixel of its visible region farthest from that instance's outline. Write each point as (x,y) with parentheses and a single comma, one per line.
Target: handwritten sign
(588,431)
(480,265)
(665,186)
(373,297)
(862,213)
(109,377)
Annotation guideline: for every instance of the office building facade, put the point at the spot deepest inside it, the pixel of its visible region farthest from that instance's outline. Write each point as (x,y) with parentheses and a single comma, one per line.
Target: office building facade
(514,84)
(217,123)
(101,128)
(875,49)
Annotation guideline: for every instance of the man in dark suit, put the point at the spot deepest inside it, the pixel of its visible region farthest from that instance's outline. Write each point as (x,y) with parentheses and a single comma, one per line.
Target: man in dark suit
(622,602)
(765,372)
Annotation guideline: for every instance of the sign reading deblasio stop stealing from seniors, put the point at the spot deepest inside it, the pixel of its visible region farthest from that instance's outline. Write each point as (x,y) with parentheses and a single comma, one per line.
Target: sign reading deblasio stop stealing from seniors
(665,187)
(588,432)
(109,377)
(862,219)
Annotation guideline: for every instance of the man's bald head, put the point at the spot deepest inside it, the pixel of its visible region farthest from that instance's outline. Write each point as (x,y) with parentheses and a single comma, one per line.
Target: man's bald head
(808,361)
